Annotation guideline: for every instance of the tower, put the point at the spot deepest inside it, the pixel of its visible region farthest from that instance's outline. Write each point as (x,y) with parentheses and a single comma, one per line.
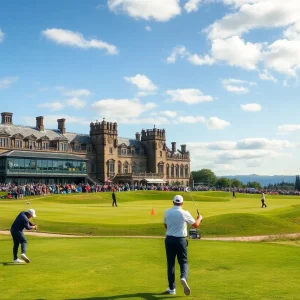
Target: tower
(154,142)
(104,137)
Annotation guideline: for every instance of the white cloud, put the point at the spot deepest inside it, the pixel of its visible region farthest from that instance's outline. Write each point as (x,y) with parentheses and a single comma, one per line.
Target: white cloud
(74,93)
(195,59)
(215,123)
(262,143)
(169,113)
(191,120)
(148,28)
(52,106)
(76,103)
(237,86)
(156,10)
(283,129)
(6,82)
(251,107)
(122,110)
(189,96)
(144,84)
(192,5)
(1,35)
(76,39)
(237,52)
(267,76)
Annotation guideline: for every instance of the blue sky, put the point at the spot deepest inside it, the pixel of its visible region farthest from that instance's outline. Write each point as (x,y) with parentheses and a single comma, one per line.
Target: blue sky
(219,75)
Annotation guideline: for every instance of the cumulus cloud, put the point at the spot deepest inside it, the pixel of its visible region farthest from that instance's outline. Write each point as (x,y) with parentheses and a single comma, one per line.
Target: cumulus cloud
(192,5)
(216,123)
(212,123)
(169,113)
(283,129)
(144,84)
(52,106)
(195,59)
(237,86)
(156,10)
(189,96)
(265,75)
(6,82)
(122,110)
(76,39)
(76,103)
(74,93)
(251,107)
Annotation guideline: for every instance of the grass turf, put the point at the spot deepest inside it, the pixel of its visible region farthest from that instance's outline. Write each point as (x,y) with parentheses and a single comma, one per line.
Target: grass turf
(92,214)
(127,268)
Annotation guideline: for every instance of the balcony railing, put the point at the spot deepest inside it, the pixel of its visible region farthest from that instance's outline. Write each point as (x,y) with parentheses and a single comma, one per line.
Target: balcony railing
(141,175)
(50,149)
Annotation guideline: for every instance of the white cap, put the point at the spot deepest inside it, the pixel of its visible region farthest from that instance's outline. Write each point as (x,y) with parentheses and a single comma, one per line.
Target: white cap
(178,199)
(32,212)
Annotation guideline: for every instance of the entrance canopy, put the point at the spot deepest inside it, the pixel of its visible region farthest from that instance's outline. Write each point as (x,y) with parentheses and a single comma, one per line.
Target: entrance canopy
(151,180)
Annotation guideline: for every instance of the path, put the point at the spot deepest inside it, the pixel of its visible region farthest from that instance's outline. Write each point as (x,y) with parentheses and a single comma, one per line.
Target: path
(257,238)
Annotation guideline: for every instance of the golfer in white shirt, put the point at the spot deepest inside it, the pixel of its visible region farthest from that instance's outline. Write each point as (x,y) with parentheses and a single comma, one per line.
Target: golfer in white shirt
(175,221)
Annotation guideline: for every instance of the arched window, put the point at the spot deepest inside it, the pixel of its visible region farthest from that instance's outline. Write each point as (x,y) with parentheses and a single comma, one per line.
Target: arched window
(177,171)
(181,171)
(172,170)
(111,166)
(126,170)
(119,167)
(141,167)
(186,169)
(168,170)
(160,168)
(133,167)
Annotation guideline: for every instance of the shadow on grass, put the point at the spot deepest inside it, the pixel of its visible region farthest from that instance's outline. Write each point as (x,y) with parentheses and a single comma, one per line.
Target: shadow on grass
(10,263)
(146,296)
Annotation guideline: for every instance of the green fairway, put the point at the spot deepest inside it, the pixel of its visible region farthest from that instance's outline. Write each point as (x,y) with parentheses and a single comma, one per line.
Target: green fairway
(92,214)
(120,268)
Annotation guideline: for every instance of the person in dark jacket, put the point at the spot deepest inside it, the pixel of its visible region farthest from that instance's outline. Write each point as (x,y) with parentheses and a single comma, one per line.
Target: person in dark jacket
(114,198)
(16,230)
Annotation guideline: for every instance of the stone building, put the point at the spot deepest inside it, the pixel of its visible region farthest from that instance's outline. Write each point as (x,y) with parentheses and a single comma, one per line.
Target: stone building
(36,154)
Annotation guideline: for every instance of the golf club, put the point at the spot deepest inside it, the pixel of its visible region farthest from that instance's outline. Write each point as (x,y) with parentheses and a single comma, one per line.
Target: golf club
(187,190)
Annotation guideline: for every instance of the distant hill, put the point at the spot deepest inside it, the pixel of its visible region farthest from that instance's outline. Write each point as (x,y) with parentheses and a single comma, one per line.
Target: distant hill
(264,180)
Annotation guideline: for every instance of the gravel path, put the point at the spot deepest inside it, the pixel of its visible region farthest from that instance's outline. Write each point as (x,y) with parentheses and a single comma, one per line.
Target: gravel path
(257,238)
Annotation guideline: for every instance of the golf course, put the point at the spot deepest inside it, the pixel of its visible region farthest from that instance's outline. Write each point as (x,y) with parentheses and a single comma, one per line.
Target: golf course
(118,252)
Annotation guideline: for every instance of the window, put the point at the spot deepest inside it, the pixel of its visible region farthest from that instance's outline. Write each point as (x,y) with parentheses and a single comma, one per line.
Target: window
(181,171)
(160,153)
(168,170)
(133,167)
(111,166)
(126,168)
(110,150)
(63,146)
(177,171)
(186,171)
(18,143)
(172,170)
(45,145)
(123,151)
(31,144)
(160,168)
(3,142)
(119,167)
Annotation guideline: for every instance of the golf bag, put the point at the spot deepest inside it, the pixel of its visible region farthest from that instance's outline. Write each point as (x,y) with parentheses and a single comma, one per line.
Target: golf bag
(195,234)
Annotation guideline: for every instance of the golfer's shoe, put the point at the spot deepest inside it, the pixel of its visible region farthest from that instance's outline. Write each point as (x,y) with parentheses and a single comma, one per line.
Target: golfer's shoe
(19,261)
(23,256)
(171,292)
(185,285)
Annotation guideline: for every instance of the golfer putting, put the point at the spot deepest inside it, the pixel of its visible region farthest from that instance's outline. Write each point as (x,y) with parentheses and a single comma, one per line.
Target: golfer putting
(175,221)
(21,222)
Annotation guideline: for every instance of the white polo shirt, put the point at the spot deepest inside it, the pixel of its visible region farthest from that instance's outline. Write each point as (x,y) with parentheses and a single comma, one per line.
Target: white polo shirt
(176,219)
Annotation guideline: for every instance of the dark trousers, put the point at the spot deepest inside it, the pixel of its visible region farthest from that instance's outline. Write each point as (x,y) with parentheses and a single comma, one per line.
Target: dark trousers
(18,238)
(263,203)
(176,247)
(114,202)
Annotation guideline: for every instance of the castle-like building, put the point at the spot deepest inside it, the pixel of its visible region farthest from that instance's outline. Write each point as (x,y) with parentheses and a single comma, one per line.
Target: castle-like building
(35,154)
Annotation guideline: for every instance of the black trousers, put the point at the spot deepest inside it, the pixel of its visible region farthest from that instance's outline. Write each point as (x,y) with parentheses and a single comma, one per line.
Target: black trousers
(263,203)
(18,238)
(176,247)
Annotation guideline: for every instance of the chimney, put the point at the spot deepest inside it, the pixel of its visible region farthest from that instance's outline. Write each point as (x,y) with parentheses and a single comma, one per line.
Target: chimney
(173,147)
(6,118)
(40,123)
(183,148)
(61,125)
(138,136)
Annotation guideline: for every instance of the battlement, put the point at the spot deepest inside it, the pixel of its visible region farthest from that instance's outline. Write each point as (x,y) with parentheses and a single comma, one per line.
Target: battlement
(103,127)
(153,134)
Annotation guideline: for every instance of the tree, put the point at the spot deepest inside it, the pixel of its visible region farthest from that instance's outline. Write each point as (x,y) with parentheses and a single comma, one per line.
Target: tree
(297,183)
(254,184)
(236,183)
(205,177)
(223,182)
